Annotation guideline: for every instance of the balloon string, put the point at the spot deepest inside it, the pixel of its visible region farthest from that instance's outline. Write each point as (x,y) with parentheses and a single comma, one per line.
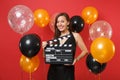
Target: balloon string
(30,76)
(99,77)
(21,75)
(89,39)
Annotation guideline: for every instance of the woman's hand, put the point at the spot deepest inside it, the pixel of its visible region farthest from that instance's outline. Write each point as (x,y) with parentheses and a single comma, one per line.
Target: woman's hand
(75,60)
(44,44)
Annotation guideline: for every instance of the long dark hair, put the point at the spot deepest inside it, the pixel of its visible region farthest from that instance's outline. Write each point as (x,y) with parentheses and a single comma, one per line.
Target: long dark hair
(57,32)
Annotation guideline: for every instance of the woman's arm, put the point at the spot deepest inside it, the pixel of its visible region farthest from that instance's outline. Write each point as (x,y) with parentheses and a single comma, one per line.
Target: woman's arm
(82,46)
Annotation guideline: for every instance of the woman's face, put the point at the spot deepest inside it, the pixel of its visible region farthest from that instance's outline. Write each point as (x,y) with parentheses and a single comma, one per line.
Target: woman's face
(62,23)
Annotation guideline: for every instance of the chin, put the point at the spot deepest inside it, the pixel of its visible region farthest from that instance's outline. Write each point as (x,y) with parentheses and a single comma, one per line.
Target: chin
(61,30)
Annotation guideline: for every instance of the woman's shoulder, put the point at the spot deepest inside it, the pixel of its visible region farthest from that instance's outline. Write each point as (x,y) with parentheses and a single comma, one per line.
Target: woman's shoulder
(75,34)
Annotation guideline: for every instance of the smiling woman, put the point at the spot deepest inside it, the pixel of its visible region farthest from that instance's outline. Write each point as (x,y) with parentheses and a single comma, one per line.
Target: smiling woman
(65,71)
(10,53)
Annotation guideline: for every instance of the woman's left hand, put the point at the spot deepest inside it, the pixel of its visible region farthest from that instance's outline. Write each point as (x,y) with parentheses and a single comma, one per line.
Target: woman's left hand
(75,60)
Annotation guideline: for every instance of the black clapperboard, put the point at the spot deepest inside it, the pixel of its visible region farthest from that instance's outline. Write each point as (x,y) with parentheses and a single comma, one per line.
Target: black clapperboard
(58,54)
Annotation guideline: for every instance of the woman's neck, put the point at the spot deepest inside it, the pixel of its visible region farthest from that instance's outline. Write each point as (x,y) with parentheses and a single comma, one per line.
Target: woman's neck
(66,32)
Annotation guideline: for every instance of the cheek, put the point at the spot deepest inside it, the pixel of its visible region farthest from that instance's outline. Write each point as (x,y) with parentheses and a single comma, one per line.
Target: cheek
(61,28)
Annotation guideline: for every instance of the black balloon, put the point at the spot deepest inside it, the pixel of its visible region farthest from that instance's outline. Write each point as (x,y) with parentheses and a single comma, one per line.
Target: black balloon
(94,66)
(77,23)
(30,45)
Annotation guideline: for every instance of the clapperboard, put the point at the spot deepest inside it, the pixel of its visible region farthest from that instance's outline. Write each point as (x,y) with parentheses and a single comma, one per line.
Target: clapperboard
(58,54)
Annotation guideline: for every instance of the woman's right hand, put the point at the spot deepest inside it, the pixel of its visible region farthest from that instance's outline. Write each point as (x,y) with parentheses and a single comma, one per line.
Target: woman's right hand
(44,44)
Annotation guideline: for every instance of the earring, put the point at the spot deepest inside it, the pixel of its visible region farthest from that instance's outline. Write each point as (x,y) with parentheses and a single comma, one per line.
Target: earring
(67,27)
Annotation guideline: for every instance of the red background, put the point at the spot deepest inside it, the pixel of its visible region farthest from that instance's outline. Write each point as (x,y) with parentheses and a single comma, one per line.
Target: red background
(9,49)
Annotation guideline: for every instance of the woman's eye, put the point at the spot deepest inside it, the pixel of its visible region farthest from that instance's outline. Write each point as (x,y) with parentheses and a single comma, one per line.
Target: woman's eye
(62,21)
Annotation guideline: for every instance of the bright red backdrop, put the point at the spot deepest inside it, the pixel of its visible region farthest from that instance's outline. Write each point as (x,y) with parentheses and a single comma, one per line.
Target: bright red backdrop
(9,49)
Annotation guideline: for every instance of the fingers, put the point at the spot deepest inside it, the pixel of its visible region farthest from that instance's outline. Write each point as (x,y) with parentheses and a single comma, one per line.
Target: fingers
(74,61)
(67,64)
(44,44)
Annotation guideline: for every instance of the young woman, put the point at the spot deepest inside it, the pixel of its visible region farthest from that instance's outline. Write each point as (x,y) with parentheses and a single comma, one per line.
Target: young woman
(62,28)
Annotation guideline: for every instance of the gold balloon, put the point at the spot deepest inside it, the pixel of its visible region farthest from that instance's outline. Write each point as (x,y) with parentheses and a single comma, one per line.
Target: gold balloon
(89,14)
(102,49)
(29,64)
(41,17)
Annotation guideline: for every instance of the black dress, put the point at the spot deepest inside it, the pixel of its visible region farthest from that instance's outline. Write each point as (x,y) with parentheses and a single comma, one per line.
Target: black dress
(61,71)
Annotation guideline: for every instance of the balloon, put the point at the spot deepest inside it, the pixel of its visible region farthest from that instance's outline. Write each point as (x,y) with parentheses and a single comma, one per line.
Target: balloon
(77,23)
(94,66)
(100,29)
(20,19)
(30,45)
(102,49)
(52,22)
(89,14)
(41,17)
(29,64)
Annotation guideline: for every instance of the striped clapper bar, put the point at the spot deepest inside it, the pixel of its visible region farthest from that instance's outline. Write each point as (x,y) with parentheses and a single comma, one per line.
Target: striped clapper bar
(58,54)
